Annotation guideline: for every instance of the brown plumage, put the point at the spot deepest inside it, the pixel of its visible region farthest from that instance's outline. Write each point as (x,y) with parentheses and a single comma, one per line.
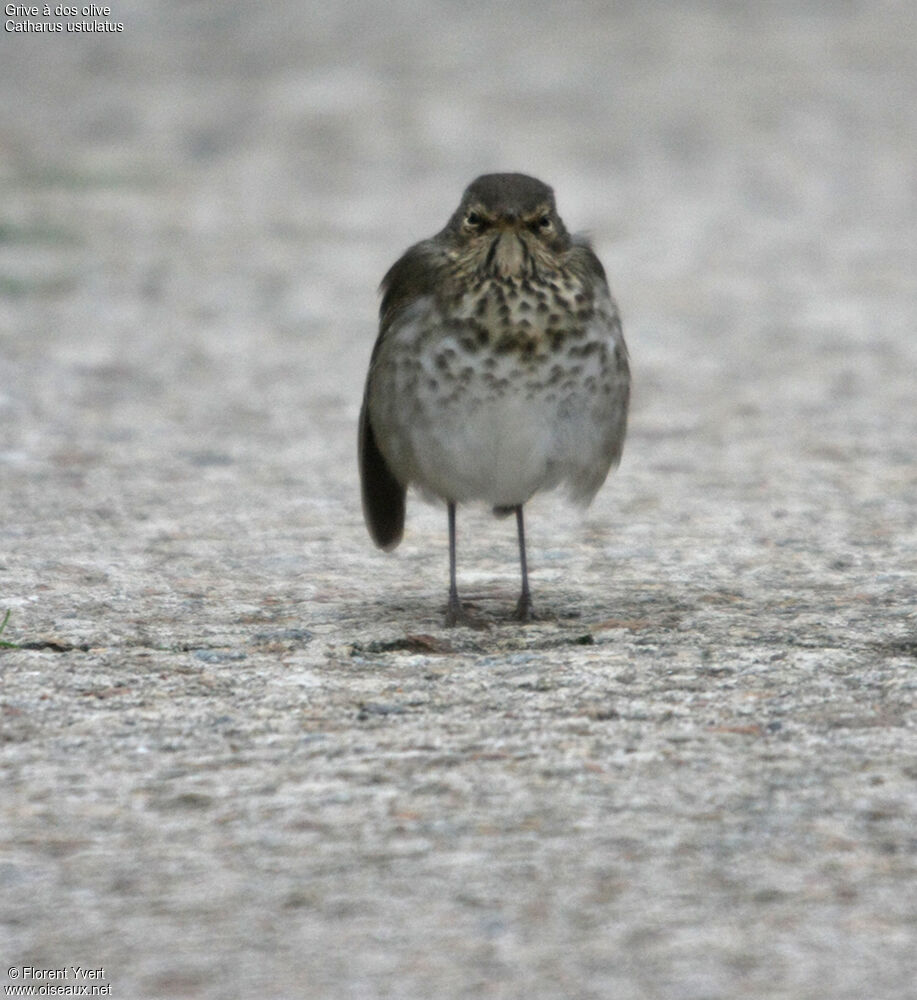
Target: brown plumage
(500,369)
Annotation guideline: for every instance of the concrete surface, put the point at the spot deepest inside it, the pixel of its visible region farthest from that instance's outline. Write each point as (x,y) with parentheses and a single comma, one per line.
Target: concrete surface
(241,757)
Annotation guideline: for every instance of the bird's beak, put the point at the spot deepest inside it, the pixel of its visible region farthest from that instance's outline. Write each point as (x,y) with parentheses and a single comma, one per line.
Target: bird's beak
(507,253)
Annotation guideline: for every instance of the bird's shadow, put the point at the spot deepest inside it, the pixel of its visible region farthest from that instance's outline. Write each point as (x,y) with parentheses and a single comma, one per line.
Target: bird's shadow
(418,619)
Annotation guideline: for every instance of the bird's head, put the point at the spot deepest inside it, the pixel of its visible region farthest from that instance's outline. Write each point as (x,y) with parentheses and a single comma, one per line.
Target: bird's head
(507,226)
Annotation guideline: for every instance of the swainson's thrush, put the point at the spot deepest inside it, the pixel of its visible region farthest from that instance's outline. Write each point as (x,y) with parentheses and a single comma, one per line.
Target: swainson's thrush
(500,369)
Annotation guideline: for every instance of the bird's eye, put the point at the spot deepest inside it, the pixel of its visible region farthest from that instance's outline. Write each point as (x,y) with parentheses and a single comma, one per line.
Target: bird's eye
(545,223)
(473,220)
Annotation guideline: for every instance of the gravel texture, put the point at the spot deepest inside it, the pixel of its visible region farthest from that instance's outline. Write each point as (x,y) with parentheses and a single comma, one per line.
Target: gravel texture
(241,756)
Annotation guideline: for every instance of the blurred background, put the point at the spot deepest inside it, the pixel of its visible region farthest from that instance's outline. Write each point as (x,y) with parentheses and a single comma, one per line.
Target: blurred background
(216,178)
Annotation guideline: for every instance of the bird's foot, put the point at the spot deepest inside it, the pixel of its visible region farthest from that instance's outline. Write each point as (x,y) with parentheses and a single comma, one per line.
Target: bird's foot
(456,615)
(524,611)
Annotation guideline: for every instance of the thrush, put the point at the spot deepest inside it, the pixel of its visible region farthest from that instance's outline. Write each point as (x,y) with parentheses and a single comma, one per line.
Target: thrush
(500,369)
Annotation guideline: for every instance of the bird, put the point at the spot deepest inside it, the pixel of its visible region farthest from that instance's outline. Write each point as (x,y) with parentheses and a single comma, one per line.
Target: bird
(499,370)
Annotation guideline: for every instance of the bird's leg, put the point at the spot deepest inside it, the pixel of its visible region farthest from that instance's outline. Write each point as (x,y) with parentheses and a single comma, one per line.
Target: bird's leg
(454,613)
(524,611)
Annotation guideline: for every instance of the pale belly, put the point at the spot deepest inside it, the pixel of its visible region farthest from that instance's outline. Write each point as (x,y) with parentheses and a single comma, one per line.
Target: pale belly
(497,428)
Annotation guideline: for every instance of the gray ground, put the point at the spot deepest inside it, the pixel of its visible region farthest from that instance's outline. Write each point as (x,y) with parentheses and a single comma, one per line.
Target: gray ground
(241,757)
